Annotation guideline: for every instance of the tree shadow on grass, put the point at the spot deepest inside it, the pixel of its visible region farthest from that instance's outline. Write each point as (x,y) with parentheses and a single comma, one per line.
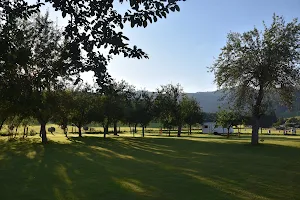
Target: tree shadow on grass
(147,168)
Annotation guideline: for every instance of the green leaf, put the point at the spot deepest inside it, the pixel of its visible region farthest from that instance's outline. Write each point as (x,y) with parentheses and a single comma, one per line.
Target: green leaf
(63,14)
(145,23)
(132,24)
(172,9)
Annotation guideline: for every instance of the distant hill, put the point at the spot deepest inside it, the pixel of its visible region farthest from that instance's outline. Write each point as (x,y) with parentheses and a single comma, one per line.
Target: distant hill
(210,101)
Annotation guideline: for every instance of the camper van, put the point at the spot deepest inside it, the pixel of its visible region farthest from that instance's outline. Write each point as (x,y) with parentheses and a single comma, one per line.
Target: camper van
(211,127)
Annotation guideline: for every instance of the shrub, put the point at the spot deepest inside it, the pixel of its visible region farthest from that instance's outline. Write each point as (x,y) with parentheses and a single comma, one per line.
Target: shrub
(32,133)
(51,129)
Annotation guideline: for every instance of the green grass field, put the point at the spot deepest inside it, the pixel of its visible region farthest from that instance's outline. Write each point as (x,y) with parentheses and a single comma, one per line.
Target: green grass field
(150,130)
(190,167)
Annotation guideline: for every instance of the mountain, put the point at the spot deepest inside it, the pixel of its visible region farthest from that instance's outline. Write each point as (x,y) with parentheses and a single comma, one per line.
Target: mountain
(210,102)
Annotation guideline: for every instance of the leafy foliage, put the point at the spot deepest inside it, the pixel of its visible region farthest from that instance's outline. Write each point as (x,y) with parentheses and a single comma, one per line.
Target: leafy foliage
(81,106)
(192,111)
(92,25)
(168,102)
(255,64)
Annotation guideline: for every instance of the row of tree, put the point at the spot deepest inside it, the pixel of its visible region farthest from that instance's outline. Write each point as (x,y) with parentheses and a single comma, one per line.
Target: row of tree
(35,54)
(83,104)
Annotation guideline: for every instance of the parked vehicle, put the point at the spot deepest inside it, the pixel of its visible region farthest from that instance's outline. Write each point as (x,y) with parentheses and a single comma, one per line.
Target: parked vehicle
(211,127)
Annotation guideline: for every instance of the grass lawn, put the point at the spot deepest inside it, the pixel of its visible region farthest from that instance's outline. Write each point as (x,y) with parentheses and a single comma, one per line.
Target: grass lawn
(167,168)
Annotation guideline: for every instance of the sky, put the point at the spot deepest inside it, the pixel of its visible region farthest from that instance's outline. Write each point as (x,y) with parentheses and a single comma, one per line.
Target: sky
(183,46)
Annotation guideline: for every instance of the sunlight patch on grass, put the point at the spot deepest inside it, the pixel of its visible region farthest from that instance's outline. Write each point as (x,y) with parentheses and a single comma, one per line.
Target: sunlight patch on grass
(58,195)
(85,155)
(31,154)
(61,172)
(2,157)
(283,143)
(110,153)
(228,188)
(61,196)
(202,154)
(134,186)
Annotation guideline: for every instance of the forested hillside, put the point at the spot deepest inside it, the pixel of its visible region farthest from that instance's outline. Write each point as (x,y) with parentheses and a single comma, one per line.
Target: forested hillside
(210,101)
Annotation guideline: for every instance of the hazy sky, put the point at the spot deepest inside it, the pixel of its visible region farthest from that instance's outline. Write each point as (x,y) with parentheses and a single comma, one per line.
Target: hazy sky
(182,46)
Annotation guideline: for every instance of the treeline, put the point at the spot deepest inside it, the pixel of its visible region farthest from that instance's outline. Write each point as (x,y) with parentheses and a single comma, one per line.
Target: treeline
(40,79)
(82,104)
(235,117)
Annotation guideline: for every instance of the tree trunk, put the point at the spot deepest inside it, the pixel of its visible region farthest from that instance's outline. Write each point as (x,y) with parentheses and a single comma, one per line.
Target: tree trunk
(65,132)
(24,133)
(257,113)
(1,125)
(43,133)
(228,132)
(79,131)
(190,129)
(105,130)
(255,129)
(115,128)
(179,131)
(169,132)
(135,128)
(143,131)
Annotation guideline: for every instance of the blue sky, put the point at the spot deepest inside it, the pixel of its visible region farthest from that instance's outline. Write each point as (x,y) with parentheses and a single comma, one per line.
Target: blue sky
(182,46)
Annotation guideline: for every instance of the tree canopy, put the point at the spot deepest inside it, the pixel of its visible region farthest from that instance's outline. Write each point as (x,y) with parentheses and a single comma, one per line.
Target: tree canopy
(35,54)
(257,64)
(92,26)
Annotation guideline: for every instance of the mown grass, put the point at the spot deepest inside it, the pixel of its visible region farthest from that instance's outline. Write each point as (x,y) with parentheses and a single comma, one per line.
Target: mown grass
(191,167)
(36,129)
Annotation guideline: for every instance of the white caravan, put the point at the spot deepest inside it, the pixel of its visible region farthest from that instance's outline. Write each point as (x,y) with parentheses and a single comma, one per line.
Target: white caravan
(210,127)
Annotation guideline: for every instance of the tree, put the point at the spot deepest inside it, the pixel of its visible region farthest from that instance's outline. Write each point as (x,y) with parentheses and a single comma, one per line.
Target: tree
(145,110)
(268,119)
(115,100)
(192,112)
(81,103)
(45,68)
(132,112)
(279,122)
(26,121)
(62,112)
(6,111)
(107,106)
(258,64)
(293,120)
(93,25)
(226,118)
(168,102)
(14,122)
(121,95)
(209,117)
